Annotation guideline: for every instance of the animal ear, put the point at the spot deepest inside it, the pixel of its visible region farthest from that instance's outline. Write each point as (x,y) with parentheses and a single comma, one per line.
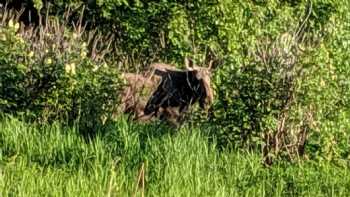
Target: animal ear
(189,63)
(210,66)
(213,64)
(212,59)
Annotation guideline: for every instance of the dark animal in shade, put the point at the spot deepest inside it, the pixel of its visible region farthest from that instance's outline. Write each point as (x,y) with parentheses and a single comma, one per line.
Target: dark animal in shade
(165,92)
(181,89)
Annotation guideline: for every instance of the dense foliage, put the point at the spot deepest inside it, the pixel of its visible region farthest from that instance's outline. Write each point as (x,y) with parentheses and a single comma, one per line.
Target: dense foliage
(282,82)
(51,78)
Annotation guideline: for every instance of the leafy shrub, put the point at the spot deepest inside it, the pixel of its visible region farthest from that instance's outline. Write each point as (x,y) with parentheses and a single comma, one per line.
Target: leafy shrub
(146,31)
(256,83)
(45,73)
(287,108)
(330,92)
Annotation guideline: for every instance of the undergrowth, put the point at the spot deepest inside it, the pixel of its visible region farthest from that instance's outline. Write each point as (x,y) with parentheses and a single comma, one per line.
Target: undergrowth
(53,160)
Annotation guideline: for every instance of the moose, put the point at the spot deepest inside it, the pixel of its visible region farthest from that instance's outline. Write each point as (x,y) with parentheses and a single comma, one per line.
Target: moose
(169,91)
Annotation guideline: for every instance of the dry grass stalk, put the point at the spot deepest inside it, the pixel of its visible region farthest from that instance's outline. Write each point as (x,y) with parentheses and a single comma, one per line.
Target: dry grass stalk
(55,34)
(283,54)
(140,181)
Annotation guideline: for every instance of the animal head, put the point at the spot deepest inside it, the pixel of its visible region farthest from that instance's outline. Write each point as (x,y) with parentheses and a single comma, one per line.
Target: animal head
(203,74)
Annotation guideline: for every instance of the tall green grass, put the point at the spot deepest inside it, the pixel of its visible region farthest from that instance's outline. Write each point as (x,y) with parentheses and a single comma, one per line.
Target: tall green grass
(56,161)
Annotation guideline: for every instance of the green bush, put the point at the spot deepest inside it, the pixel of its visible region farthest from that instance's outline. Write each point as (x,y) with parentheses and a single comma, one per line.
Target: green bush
(148,31)
(331,97)
(46,75)
(290,109)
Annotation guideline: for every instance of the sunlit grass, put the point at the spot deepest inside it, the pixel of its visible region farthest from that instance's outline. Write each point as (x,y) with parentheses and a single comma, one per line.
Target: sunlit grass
(56,161)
